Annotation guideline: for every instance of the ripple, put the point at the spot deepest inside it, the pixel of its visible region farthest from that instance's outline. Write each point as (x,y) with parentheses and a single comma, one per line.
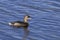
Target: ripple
(45,23)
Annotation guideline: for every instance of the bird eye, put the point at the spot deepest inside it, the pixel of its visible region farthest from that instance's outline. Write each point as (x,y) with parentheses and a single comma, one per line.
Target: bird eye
(28,16)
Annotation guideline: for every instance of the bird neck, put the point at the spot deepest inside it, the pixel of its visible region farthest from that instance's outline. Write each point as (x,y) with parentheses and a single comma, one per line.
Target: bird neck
(25,19)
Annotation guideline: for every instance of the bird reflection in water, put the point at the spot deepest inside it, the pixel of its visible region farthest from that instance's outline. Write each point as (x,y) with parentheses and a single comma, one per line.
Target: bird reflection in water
(26,33)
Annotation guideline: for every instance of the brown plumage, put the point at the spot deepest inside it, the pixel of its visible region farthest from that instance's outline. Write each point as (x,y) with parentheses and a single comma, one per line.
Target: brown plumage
(19,24)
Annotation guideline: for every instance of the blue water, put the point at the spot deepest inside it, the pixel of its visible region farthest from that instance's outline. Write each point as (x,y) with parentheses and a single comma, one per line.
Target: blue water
(45,23)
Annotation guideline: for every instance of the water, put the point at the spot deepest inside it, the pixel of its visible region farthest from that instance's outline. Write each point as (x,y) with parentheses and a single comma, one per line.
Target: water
(45,23)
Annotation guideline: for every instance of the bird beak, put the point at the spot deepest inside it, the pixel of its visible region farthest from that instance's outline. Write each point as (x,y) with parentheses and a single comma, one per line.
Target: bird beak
(30,18)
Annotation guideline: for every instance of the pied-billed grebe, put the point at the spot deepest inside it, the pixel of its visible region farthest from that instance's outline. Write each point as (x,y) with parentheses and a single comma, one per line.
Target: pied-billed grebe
(23,24)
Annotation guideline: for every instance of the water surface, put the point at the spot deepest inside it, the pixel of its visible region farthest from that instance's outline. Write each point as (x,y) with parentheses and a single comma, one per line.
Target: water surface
(45,23)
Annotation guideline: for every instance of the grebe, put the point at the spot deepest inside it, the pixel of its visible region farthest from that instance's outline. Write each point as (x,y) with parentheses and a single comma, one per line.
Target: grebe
(19,24)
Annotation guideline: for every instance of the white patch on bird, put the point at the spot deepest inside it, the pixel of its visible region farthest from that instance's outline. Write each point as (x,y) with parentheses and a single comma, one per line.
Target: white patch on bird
(9,23)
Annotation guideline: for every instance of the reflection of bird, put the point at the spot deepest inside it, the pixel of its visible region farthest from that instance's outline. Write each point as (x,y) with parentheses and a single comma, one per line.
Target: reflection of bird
(23,24)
